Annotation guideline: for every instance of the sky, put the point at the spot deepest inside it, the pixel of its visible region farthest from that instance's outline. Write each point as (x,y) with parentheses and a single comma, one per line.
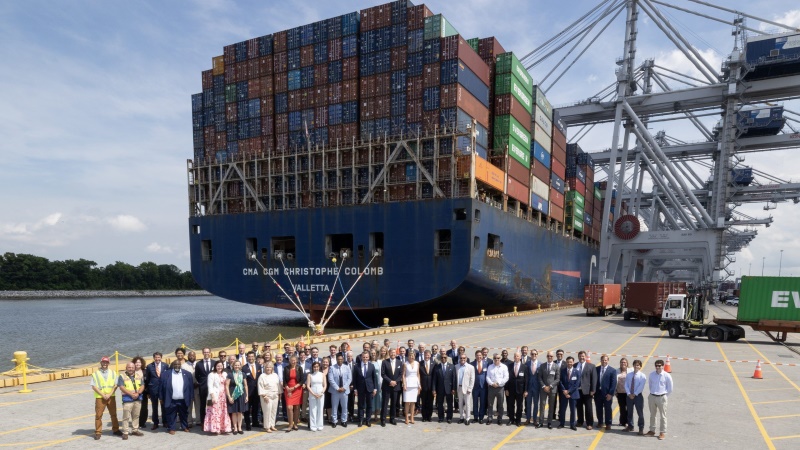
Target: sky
(95,122)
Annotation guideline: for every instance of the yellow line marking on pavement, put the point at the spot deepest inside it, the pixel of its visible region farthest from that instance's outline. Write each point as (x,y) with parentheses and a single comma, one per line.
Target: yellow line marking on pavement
(571,330)
(750,406)
(602,433)
(776,401)
(774,367)
(770,389)
(554,438)
(45,424)
(57,442)
(780,417)
(268,441)
(339,438)
(508,438)
(520,329)
(796,436)
(12,390)
(584,335)
(40,399)
(15,444)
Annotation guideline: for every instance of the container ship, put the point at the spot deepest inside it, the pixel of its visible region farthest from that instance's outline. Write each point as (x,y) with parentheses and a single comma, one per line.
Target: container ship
(379,164)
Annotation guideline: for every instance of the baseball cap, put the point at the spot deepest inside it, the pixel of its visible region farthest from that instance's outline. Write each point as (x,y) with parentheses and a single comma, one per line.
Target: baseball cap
(105,359)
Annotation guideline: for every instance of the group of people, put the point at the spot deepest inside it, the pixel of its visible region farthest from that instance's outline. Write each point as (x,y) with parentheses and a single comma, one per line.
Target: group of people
(251,389)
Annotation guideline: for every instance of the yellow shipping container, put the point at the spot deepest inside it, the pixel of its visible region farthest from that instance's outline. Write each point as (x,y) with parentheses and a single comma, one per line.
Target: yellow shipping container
(218,65)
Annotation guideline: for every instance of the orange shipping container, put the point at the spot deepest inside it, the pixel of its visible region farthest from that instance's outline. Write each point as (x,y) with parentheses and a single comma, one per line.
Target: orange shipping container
(489,174)
(600,297)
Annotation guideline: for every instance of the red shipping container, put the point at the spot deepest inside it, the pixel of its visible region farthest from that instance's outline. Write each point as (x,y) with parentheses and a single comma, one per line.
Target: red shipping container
(577,185)
(518,190)
(414,87)
(320,74)
(267,105)
(416,17)
(281,143)
(280,62)
(448,96)
(268,125)
(349,132)
(366,87)
(279,41)
(350,68)
(242,71)
(413,111)
(307,56)
(601,295)
(399,58)
(253,69)
(430,120)
(208,79)
(221,142)
(472,106)
(558,168)
(518,171)
(557,212)
(349,90)
(540,171)
(230,74)
(559,138)
(334,135)
(431,74)
(334,93)
(508,104)
(266,63)
(231,112)
(367,109)
(321,116)
(556,198)
(321,95)
(229,54)
(296,101)
(489,48)
(281,123)
(267,86)
(383,106)
(383,84)
(456,47)
(334,50)
(252,48)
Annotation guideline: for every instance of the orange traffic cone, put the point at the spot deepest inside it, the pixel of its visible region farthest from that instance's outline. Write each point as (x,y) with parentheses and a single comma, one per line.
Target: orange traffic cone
(588,357)
(757,373)
(667,367)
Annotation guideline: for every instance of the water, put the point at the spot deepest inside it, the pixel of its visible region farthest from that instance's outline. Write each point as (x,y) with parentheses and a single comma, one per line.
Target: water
(64,332)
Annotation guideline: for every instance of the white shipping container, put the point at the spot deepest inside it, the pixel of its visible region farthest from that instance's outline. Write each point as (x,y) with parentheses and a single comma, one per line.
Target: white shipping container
(540,188)
(541,119)
(541,137)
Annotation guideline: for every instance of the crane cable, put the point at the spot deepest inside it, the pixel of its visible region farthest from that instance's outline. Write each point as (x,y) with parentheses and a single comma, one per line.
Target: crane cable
(333,289)
(296,305)
(360,275)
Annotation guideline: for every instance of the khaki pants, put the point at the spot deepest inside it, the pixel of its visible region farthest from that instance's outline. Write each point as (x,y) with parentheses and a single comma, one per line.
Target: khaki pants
(194,416)
(464,404)
(658,405)
(100,405)
(130,416)
(269,408)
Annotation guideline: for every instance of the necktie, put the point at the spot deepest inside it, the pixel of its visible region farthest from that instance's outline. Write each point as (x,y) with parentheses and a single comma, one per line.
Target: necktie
(392,368)
(516,369)
(208,367)
(158,370)
(364,370)
(602,372)
(569,374)
(633,377)
(479,367)
(428,367)
(253,370)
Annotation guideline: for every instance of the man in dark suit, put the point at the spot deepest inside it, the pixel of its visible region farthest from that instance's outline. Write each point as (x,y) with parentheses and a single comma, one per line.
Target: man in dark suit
(606,389)
(426,368)
(549,376)
(452,354)
(516,389)
(570,387)
(588,388)
(223,356)
(251,371)
(364,384)
(444,384)
(392,375)
(201,370)
(560,363)
(176,393)
(534,388)
(152,382)
(479,389)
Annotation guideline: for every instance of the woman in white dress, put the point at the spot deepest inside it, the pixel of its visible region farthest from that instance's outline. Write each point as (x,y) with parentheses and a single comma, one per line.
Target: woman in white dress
(317,385)
(269,388)
(410,385)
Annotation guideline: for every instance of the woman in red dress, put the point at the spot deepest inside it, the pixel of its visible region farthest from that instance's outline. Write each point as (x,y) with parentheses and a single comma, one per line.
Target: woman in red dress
(294,379)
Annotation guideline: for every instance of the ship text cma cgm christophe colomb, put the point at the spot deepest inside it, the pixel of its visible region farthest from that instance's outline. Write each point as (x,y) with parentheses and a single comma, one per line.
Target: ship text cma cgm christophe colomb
(379,161)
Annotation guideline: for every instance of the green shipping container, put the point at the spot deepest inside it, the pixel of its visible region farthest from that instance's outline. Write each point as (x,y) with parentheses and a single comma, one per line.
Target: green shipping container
(508,63)
(574,223)
(507,125)
(509,84)
(769,298)
(438,27)
(473,43)
(230,93)
(577,198)
(541,100)
(574,211)
(515,149)
(597,193)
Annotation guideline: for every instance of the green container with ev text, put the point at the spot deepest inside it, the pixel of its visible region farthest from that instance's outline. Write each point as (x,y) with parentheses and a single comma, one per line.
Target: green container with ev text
(506,126)
(769,298)
(508,63)
(509,84)
(576,198)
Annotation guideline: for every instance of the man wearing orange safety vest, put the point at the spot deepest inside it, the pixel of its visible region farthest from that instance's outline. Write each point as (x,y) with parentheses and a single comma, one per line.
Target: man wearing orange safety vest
(104,384)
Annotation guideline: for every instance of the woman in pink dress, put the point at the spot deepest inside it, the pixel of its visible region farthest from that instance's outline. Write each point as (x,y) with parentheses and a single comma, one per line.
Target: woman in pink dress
(217,419)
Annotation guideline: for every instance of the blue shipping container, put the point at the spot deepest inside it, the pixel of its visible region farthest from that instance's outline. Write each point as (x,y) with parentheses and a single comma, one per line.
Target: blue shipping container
(540,204)
(334,72)
(411,172)
(472,83)
(335,114)
(307,77)
(399,33)
(242,110)
(254,108)
(349,46)
(415,41)
(295,121)
(321,53)
(398,81)
(334,25)
(432,51)
(350,23)
(265,45)
(281,103)
(293,79)
(398,104)
(556,183)
(293,38)
(241,90)
(308,119)
(293,59)
(541,154)
(197,102)
(350,112)
(255,127)
(430,100)
(414,67)
(399,125)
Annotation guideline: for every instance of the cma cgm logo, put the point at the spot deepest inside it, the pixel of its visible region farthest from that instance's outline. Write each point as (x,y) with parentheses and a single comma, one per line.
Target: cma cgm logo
(780,299)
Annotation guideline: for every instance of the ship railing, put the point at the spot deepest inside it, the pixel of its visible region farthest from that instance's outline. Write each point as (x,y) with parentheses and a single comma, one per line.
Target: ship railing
(443,249)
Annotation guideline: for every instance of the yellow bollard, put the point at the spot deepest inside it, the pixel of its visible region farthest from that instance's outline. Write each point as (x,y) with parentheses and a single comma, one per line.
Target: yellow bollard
(280,341)
(435,317)
(515,310)
(540,306)
(386,322)
(483,312)
(21,358)
(116,361)
(237,344)
(183,346)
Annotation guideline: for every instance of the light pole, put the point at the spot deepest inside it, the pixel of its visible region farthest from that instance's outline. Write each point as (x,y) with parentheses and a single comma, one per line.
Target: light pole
(780,264)
(762,265)
(750,270)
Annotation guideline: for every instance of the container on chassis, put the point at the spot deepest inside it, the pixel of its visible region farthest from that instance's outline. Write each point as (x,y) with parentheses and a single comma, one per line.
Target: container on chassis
(599,299)
(645,301)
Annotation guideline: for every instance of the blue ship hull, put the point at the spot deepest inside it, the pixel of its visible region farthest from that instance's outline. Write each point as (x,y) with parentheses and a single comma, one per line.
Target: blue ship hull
(521,264)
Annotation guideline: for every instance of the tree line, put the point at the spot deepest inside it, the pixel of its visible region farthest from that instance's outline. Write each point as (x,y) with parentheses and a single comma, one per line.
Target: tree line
(21,272)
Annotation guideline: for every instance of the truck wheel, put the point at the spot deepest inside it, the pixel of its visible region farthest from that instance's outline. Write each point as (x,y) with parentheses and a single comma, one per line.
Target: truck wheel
(588,313)
(652,321)
(675,331)
(626,315)
(715,334)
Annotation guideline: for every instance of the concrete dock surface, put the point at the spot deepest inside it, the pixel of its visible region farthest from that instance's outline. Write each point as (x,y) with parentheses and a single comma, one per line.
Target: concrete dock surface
(716,404)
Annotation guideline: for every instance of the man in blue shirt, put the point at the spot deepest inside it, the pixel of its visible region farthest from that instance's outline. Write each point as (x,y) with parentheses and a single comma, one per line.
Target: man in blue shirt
(634,386)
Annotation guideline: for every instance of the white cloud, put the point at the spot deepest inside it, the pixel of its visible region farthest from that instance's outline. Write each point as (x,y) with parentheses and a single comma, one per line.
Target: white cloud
(155,247)
(677,61)
(790,18)
(124,222)
(10,229)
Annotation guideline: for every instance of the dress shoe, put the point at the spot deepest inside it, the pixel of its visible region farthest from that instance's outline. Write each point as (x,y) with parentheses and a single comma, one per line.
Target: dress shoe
(154,427)
(393,422)
(460,420)
(549,426)
(499,421)
(441,420)
(171,431)
(186,430)
(333,425)
(248,428)
(662,436)
(579,424)
(573,428)
(480,421)
(124,437)
(608,427)
(466,423)
(369,424)
(360,423)
(449,421)
(589,427)
(510,422)
(383,424)
(137,433)
(628,429)
(641,432)
(528,422)
(118,433)
(561,426)
(651,433)
(344,424)
(96,437)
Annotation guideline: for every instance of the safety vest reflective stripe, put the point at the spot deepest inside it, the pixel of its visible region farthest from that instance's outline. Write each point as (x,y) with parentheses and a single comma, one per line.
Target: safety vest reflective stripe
(104,385)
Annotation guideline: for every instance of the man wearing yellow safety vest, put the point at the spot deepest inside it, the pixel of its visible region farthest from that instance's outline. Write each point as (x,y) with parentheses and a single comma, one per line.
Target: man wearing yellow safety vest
(104,384)
(131,387)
